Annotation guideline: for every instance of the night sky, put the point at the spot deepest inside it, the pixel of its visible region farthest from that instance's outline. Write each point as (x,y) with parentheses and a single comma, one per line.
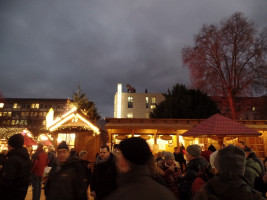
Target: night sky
(49,47)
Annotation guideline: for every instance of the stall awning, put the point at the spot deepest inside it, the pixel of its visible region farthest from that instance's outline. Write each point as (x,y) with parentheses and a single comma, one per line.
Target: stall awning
(218,125)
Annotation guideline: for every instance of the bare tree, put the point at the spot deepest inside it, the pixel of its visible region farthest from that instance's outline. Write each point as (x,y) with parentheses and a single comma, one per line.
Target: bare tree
(228,60)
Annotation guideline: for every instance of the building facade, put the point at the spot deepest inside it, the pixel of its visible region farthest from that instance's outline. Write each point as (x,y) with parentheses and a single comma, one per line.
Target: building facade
(25,112)
(134,105)
(139,105)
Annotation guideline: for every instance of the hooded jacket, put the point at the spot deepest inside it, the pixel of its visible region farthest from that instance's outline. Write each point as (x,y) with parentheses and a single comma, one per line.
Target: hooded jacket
(252,171)
(15,175)
(227,188)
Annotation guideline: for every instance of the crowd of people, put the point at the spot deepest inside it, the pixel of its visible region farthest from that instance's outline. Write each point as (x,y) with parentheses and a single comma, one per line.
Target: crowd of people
(132,172)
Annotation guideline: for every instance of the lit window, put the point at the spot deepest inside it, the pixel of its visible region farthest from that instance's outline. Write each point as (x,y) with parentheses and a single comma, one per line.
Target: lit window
(1,105)
(147,102)
(21,122)
(147,115)
(1,114)
(9,114)
(44,122)
(153,106)
(23,114)
(35,105)
(13,122)
(130,102)
(130,115)
(4,114)
(69,138)
(15,105)
(253,109)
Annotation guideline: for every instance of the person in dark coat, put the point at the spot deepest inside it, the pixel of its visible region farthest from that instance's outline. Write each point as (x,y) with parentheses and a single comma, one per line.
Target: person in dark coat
(179,157)
(104,176)
(86,165)
(196,166)
(229,183)
(15,174)
(66,180)
(135,180)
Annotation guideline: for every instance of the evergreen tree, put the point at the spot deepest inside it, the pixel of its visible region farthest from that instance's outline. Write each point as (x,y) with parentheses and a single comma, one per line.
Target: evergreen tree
(183,103)
(87,107)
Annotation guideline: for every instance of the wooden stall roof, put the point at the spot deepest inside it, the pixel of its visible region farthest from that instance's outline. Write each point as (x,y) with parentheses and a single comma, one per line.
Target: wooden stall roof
(165,126)
(219,125)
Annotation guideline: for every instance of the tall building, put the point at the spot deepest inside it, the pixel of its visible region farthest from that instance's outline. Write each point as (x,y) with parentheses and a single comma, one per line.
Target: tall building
(23,112)
(134,105)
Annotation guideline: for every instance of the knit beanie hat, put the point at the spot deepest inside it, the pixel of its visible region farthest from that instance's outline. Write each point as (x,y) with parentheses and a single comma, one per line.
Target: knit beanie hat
(168,155)
(63,145)
(16,141)
(194,150)
(230,161)
(135,150)
(212,158)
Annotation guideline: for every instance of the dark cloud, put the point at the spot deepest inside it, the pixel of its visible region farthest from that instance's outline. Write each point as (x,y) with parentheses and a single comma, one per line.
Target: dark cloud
(48,48)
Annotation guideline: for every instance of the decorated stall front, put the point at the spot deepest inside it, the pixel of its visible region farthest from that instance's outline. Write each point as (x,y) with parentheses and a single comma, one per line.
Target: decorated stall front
(78,132)
(219,130)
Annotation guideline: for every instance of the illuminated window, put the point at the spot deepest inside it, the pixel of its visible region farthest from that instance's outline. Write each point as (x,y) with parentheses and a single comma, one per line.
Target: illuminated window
(4,114)
(44,122)
(21,122)
(17,122)
(153,104)
(15,105)
(1,114)
(35,105)
(130,102)
(130,115)
(23,114)
(147,115)
(13,122)
(147,102)
(1,105)
(68,137)
(9,114)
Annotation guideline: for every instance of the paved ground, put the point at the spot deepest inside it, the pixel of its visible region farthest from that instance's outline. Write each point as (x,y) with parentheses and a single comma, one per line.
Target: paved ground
(29,195)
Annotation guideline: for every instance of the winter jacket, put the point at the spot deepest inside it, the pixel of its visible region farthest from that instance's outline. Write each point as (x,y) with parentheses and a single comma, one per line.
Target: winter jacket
(104,176)
(170,176)
(193,170)
(39,162)
(66,181)
(138,184)
(87,168)
(232,188)
(252,171)
(15,175)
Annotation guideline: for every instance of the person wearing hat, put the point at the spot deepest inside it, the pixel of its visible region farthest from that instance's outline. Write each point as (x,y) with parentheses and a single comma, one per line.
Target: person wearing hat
(171,170)
(135,180)
(196,165)
(229,183)
(67,179)
(15,174)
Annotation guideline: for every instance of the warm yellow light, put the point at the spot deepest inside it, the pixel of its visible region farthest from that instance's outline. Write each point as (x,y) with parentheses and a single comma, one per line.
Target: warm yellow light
(94,128)
(61,122)
(43,137)
(59,118)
